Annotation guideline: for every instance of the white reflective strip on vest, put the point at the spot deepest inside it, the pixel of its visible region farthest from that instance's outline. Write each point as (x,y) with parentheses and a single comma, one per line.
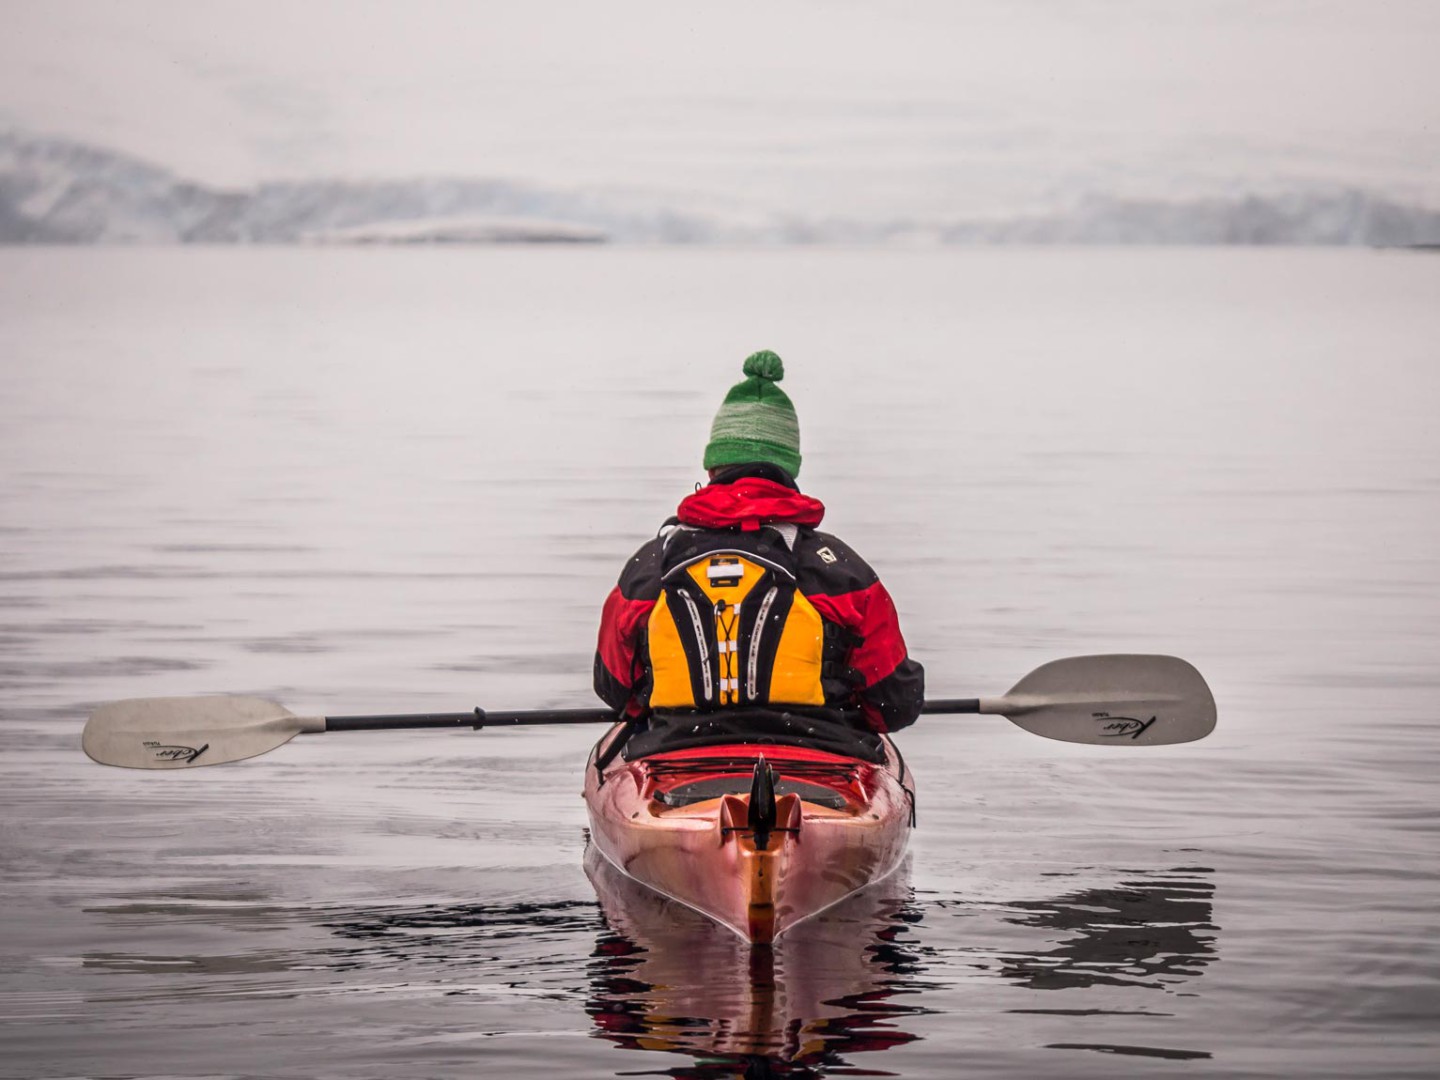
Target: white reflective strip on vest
(704,651)
(752,668)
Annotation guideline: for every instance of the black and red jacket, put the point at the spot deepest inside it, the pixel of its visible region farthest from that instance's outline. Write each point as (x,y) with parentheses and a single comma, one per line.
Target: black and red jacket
(870,676)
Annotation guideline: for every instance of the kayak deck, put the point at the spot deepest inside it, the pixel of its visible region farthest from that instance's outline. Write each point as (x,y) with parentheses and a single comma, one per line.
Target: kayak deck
(757,837)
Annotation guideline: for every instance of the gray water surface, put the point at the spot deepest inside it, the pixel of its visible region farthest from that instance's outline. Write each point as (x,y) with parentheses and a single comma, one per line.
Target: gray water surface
(364,481)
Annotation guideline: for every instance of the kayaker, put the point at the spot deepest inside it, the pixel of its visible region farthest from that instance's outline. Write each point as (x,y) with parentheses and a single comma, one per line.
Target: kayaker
(741,620)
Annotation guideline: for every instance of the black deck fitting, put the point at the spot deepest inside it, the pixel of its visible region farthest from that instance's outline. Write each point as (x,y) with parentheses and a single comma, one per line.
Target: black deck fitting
(762,804)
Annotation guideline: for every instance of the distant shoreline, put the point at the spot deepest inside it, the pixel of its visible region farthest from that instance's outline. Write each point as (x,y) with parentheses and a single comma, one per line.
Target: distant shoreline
(59,192)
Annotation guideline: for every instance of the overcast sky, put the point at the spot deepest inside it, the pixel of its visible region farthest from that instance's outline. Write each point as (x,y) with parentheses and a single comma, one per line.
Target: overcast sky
(825,105)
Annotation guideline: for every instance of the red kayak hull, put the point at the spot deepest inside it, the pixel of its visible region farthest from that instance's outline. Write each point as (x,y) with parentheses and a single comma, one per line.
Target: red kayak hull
(678,823)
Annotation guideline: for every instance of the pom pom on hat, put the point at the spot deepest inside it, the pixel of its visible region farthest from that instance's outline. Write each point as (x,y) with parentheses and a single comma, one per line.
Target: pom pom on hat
(765,365)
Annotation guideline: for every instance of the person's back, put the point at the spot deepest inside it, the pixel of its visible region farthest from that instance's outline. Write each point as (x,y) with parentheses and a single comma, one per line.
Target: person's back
(741,621)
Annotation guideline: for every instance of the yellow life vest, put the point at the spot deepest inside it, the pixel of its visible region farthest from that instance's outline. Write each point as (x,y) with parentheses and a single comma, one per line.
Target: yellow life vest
(731,629)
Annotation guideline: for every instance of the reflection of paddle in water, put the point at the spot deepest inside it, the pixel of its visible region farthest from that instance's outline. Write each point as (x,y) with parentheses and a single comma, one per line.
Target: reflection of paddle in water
(669,979)
(1151,931)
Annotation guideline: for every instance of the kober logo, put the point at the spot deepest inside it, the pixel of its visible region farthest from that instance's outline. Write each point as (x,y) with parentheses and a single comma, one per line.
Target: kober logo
(185,754)
(1121,727)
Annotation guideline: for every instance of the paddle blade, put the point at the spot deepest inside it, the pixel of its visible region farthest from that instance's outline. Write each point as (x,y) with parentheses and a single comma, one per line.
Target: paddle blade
(182,733)
(1116,700)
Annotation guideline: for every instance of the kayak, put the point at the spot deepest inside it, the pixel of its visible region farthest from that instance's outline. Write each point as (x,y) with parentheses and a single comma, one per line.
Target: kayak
(756,837)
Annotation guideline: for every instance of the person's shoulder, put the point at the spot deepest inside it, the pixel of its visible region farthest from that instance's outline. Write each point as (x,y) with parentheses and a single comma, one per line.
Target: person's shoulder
(829,548)
(825,563)
(640,576)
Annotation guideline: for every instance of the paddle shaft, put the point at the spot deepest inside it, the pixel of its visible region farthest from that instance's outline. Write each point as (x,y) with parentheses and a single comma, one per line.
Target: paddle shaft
(476,719)
(952,705)
(480,718)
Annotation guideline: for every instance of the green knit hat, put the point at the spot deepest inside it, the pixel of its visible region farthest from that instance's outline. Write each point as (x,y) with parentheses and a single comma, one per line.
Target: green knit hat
(756,422)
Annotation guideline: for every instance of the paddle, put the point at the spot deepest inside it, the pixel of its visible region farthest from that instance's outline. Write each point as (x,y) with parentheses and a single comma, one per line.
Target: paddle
(1099,700)
(1120,699)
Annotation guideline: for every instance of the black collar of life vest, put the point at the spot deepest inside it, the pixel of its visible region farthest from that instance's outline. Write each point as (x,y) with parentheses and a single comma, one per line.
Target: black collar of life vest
(759,470)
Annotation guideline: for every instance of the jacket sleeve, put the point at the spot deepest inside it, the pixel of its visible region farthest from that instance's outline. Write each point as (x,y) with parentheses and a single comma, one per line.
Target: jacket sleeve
(618,664)
(844,589)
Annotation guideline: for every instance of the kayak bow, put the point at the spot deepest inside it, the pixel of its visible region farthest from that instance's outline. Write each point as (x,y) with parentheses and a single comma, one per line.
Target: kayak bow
(758,838)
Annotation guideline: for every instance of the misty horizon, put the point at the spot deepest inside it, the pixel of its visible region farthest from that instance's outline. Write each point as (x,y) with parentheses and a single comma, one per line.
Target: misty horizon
(817,112)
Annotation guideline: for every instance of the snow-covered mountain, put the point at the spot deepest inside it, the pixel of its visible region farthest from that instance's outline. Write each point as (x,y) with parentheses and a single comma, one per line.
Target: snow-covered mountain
(54,191)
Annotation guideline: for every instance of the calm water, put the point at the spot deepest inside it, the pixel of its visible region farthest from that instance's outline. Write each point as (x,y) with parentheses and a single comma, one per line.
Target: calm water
(361,481)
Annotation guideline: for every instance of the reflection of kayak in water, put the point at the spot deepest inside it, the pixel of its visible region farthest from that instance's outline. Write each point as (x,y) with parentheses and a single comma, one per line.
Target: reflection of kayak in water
(759,838)
(672,980)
